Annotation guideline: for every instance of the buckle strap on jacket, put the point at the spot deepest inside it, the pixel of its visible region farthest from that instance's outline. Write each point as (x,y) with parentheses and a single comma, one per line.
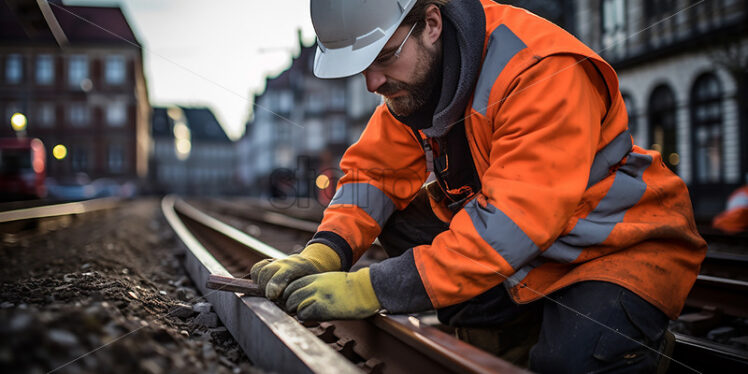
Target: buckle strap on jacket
(458,183)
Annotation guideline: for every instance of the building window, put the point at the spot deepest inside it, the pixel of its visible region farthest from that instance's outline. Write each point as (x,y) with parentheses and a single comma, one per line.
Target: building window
(337,130)
(285,102)
(79,115)
(116,114)
(614,26)
(116,158)
(114,70)
(659,9)
(46,115)
(45,69)
(13,68)
(706,122)
(631,112)
(79,159)
(77,70)
(315,138)
(662,126)
(337,99)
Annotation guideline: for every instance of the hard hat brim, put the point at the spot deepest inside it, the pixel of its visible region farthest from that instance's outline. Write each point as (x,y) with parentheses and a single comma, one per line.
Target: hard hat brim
(345,62)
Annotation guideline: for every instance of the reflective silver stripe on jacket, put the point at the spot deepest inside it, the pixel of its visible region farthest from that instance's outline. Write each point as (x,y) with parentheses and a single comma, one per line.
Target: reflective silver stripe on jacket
(626,191)
(520,274)
(503,44)
(367,197)
(609,156)
(504,236)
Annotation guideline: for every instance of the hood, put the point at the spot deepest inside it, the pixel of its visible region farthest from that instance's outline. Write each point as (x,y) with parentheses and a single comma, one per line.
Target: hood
(462,53)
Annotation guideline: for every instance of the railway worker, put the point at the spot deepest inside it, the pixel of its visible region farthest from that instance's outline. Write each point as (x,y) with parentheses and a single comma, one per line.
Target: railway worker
(547,235)
(735,217)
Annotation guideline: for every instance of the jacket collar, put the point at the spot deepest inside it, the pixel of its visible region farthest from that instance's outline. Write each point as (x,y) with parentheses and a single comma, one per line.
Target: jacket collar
(462,49)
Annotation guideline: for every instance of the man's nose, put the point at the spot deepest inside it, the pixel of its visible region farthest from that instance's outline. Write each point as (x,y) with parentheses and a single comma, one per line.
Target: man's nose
(374,79)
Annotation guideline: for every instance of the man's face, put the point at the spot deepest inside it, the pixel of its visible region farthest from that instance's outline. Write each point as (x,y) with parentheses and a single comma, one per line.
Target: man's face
(407,82)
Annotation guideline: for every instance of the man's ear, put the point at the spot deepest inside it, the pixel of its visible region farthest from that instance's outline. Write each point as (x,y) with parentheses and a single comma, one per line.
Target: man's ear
(433,30)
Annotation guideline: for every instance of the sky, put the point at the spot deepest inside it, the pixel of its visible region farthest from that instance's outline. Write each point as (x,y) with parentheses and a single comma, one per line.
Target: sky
(215,53)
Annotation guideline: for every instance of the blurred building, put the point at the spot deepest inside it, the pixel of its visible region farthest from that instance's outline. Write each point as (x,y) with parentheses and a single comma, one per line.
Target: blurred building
(191,153)
(76,73)
(683,66)
(301,126)
(560,12)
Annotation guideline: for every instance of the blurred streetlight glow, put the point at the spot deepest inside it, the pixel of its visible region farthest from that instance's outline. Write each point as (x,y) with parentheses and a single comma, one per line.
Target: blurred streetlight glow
(183,148)
(59,151)
(322,182)
(181,131)
(182,139)
(175,113)
(674,159)
(18,121)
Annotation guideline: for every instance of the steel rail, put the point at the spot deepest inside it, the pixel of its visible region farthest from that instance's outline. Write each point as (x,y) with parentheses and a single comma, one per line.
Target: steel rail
(728,295)
(266,216)
(708,356)
(270,338)
(260,213)
(56,210)
(389,344)
(725,264)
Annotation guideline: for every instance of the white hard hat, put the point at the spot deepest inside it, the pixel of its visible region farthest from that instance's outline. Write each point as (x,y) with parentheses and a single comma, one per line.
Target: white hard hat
(351,33)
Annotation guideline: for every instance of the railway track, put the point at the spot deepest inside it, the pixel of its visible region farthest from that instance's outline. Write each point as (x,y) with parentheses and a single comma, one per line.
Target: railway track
(713,291)
(17,224)
(278,229)
(275,341)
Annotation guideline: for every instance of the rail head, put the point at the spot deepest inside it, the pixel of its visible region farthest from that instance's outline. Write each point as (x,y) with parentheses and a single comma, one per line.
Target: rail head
(228,231)
(451,351)
(56,210)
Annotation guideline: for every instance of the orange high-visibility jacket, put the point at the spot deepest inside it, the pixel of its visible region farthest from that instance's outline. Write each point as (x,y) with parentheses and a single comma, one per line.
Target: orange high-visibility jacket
(566,197)
(735,217)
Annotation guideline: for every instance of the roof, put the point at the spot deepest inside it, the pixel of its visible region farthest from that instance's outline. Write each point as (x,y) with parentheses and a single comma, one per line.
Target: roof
(24,21)
(160,124)
(204,125)
(87,24)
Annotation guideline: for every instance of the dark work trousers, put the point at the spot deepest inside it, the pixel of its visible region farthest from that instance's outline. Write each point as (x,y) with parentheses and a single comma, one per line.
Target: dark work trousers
(587,327)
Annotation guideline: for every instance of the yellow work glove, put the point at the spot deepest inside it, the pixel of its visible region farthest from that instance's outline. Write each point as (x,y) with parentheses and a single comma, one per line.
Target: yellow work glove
(274,275)
(332,295)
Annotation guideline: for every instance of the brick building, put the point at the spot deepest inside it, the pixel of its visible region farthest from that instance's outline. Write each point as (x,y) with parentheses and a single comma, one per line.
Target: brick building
(76,72)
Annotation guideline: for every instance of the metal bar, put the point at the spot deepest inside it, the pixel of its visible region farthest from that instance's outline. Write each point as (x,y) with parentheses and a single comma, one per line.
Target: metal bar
(270,338)
(245,286)
(59,209)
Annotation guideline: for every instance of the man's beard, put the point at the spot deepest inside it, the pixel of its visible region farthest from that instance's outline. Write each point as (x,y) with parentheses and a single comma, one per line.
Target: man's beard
(417,93)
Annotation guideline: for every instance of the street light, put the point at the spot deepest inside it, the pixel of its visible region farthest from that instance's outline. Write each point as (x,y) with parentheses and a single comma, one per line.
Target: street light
(18,121)
(59,151)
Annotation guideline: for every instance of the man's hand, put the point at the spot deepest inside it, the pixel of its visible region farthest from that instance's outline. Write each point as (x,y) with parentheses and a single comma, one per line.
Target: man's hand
(332,295)
(274,275)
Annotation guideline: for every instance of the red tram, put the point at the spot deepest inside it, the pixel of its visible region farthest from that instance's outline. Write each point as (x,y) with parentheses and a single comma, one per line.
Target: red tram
(22,169)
